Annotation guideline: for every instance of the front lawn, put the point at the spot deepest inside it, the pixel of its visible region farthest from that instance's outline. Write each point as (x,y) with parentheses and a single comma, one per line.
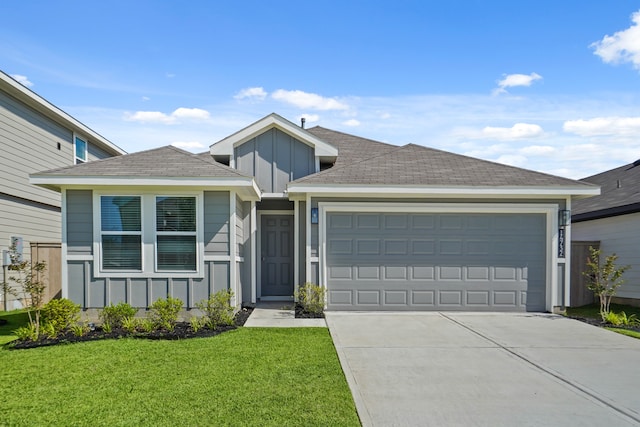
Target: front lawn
(15,319)
(249,376)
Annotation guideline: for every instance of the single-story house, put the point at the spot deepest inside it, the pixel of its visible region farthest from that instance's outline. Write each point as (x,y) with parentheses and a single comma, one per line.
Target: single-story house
(274,205)
(613,220)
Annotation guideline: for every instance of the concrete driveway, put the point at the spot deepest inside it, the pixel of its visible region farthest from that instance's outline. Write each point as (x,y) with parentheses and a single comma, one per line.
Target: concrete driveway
(472,369)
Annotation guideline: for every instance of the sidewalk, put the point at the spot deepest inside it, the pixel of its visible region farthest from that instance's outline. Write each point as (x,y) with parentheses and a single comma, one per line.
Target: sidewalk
(279,314)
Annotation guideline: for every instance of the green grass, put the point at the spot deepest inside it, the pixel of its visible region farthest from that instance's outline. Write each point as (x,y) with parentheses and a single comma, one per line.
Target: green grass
(15,319)
(249,376)
(626,332)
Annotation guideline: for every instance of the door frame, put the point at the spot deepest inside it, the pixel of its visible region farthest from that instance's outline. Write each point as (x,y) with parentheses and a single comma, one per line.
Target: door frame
(258,260)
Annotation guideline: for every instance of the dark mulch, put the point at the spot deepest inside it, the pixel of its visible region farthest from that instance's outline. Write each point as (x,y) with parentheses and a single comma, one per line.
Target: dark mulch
(182,330)
(301,313)
(601,324)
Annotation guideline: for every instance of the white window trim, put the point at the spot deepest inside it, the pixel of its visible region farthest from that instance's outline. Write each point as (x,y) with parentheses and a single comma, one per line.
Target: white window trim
(149,256)
(174,233)
(86,149)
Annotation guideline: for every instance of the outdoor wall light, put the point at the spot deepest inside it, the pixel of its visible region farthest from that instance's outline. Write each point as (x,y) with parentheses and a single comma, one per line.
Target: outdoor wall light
(314,215)
(564,217)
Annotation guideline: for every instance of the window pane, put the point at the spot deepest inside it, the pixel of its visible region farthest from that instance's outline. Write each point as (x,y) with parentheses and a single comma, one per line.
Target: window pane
(121,253)
(120,213)
(81,149)
(175,213)
(177,253)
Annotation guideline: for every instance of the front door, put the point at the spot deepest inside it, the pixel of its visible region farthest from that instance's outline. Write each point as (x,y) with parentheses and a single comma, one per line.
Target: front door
(276,235)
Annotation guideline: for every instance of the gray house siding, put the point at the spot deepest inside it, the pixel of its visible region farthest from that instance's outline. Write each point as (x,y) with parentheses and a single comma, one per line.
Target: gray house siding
(275,159)
(79,222)
(96,292)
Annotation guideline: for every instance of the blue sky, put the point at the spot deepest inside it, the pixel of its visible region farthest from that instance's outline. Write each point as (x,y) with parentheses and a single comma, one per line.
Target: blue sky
(549,86)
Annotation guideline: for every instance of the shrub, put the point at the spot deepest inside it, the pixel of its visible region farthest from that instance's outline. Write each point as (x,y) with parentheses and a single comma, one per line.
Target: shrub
(114,315)
(60,314)
(146,325)
(621,319)
(311,298)
(196,323)
(164,313)
(49,330)
(80,329)
(130,324)
(28,332)
(217,309)
(603,279)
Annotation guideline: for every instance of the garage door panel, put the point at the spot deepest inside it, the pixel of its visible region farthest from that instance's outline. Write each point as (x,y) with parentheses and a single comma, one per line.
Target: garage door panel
(436,261)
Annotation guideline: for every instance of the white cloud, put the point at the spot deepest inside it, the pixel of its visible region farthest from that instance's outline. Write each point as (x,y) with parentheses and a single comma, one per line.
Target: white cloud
(170,75)
(195,114)
(623,46)
(308,100)
(599,126)
(517,131)
(351,122)
(255,93)
(309,118)
(537,150)
(23,80)
(146,98)
(512,160)
(189,145)
(513,80)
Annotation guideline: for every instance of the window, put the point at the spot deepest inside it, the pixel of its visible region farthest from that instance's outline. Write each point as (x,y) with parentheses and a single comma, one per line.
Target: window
(121,232)
(176,238)
(80,147)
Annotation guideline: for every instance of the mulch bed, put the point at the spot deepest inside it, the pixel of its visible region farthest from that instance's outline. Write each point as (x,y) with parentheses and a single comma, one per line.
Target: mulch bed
(301,313)
(182,330)
(601,324)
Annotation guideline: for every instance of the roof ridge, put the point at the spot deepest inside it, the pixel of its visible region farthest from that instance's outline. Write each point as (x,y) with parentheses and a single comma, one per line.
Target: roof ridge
(352,135)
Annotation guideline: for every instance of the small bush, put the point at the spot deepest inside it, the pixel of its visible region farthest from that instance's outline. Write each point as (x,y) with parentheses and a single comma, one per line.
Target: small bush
(114,315)
(49,331)
(106,328)
(311,298)
(27,333)
(196,323)
(146,325)
(60,314)
(621,319)
(164,313)
(130,324)
(217,309)
(80,329)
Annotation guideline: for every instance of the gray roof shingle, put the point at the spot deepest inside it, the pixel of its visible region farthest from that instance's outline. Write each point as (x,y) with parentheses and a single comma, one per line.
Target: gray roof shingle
(417,165)
(351,148)
(619,194)
(160,162)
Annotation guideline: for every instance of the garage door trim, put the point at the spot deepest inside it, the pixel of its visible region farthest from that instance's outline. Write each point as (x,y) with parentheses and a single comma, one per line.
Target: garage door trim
(550,210)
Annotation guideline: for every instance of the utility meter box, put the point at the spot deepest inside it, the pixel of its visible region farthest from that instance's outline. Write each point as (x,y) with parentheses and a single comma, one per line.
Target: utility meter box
(6,259)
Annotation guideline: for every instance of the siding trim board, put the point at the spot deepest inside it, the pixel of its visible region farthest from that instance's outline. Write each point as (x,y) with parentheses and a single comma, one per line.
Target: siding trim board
(550,211)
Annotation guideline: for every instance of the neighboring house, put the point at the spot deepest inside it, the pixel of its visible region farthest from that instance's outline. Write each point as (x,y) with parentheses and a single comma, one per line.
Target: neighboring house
(36,135)
(275,205)
(613,219)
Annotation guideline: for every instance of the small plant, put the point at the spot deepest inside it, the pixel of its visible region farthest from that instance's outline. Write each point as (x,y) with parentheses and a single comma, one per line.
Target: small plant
(60,314)
(27,333)
(311,298)
(603,279)
(164,313)
(106,328)
(80,329)
(130,324)
(612,318)
(49,330)
(196,323)
(621,319)
(217,309)
(146,325)
(114,315)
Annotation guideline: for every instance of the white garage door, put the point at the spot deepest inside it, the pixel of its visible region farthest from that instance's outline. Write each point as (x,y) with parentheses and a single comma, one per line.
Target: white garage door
(433,261)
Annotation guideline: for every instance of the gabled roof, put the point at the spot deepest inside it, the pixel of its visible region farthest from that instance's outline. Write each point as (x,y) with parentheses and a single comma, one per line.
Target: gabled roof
(620,194)
(160,166)
(35,101)
(434,170)
(323,149)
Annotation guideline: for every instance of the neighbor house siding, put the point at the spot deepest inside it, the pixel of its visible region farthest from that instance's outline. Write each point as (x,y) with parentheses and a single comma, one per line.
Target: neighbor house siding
(275,159)
(619,235)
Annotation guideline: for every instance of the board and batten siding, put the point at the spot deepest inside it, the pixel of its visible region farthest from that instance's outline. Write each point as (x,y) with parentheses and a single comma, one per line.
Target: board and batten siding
(620,235)
(95,292)
(274,159)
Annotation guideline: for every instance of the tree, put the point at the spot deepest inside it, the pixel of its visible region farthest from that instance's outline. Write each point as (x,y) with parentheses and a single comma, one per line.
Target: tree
(603,279)
(29,277)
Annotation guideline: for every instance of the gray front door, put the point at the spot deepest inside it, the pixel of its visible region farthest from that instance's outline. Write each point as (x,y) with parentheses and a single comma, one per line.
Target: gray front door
(276,235)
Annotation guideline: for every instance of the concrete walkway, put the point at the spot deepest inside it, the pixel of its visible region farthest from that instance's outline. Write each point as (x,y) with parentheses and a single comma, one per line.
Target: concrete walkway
(470,369)
(279,314)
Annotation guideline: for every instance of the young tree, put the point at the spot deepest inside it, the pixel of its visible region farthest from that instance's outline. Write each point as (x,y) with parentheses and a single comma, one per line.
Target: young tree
(603,279)
(30,279)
